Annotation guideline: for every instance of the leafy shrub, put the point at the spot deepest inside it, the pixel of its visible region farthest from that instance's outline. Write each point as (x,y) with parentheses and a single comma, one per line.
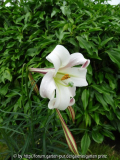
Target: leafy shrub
(29,32)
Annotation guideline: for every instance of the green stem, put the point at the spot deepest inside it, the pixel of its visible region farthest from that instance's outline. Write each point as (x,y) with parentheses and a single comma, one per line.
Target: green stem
(30,107)
(22,86)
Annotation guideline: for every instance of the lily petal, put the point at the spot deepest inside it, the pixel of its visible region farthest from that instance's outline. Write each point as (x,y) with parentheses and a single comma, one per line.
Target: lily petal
(62,99)
(55,60)
(76,59)
(59,57)
(86,64)
(72,91)
(51,104)
(47,87)
(72,101)
(79,82)
(77,76)
(41,70)
(55,102)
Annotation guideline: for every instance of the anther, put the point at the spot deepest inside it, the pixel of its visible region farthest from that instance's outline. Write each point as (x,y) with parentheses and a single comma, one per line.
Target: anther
(66,76)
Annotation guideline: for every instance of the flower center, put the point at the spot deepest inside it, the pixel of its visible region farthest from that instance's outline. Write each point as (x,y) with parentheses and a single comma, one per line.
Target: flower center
(66,76)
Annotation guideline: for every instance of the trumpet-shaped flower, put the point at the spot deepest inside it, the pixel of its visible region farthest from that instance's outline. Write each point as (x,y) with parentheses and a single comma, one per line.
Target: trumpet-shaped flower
(59,83)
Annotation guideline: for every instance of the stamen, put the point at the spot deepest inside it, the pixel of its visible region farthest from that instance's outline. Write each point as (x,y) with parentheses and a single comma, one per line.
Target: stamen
(66,76)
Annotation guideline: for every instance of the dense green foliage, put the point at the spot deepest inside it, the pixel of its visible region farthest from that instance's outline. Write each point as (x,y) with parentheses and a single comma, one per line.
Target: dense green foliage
(30,31)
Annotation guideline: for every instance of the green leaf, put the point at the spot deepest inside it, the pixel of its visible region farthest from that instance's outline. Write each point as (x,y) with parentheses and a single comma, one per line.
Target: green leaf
(98,88)
(89,69)
(5,39)
(41,16)
(108,134)
(89,79)
(111,115)
(108,99)
(35,34)
(73,42)
(95,56)
(71,20)
(20,37)
(55,10)
(94,108)
(100,99)
(7,75)
(105,41)
(4,89)
(5,26)
(84,97)
(1,47)
(65,27)
(112,80)
(85,143)
(15,107)
(97,137)
(100,76)
(94,29)
(84,44)
(65,10)
(114,56)
(108,127)
(19,19)
(88,13)
(60,34)
(118,114)
(19,102)
(107,88)
(96,118)
(53,13)
(31,52)
(11,94)
(28,15)
(6,51)
(11,44)
(26,107)
(1,120)
(87,119)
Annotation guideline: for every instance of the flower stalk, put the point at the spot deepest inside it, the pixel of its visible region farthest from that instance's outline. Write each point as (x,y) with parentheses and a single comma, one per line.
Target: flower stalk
(68,135)
(72,113)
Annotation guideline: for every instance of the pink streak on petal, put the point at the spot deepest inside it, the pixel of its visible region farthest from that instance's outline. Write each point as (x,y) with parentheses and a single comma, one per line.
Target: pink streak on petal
(72,101)
(40,70)
(85,64)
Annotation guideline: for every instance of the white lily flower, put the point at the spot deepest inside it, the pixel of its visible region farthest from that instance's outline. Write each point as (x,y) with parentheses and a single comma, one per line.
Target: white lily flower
(59,83)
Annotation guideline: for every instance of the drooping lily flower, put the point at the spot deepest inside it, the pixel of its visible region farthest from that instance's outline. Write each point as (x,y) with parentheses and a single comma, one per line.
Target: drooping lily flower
(59,83)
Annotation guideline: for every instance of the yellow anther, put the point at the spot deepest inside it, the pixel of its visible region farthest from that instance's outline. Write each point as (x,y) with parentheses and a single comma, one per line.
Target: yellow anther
(66,76)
